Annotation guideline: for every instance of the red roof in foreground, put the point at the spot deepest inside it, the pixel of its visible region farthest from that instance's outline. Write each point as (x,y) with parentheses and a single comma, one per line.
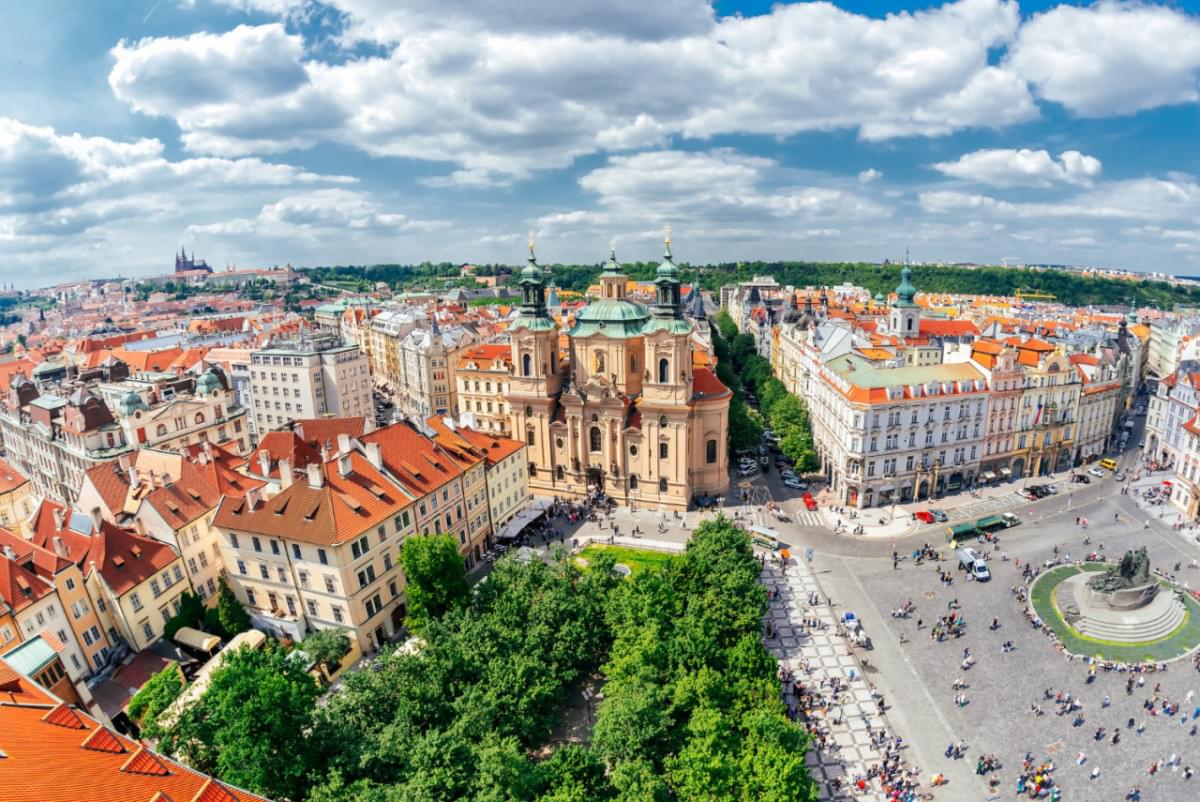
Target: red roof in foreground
(706,385)
(50,752)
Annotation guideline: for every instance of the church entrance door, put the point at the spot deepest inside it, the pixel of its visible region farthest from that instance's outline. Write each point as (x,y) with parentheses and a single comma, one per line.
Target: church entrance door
(595,478)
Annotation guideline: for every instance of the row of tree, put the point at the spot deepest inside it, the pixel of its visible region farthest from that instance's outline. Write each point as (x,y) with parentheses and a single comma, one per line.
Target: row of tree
(466,711)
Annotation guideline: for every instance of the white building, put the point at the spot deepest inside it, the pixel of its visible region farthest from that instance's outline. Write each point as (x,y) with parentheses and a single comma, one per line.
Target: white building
(313,377)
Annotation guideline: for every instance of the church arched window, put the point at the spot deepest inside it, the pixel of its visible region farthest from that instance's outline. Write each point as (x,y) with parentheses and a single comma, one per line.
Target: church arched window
(662,485)
(529,437)
(558,472)
(599,362)
(594,438)
(526,365)
(662,450)
(664,371)
(633,482)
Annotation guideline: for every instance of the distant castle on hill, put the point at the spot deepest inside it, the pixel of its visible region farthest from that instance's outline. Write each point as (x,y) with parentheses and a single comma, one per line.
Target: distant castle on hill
(183,264)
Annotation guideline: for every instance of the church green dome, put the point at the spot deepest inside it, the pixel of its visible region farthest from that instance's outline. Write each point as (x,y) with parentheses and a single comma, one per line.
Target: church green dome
(130,403)
(906,291)
(208,382)
(610,316)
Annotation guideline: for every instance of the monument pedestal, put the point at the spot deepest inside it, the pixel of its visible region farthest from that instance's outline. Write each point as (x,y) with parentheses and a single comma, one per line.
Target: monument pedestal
(1126,615)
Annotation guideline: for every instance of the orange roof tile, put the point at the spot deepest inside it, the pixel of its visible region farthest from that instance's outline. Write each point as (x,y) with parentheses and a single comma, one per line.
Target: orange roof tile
(706,386)
(413,458)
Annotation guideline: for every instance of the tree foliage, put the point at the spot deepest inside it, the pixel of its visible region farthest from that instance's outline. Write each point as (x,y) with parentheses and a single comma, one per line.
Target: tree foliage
(327,647)
(251,726)
(231,616)
(156,695)
(436,576)
(191,614)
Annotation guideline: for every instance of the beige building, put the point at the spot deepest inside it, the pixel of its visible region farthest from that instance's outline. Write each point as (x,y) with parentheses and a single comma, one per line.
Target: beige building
(80,630)
(134,582)
(507,475)
(481,376)
(310,378)
(16,496)
(387,331)
(211,414)
(628,414)
(1044,439)
(37,608)
(172,498)
(322,553)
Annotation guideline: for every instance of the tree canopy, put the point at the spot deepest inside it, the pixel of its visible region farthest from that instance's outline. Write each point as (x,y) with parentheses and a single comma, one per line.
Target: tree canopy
(436,576)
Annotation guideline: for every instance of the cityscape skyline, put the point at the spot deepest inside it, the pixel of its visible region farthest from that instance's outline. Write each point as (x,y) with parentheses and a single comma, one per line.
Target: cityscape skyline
(259,132)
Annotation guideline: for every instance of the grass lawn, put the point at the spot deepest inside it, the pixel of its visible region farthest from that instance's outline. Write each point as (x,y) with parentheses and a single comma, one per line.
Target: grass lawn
(636,559)
(1179,642)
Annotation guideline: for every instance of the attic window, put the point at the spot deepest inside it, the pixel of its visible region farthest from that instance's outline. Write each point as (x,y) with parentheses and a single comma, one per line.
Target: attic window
(282,508)
(192,492)
(312,514)
(119,561)
(136,551)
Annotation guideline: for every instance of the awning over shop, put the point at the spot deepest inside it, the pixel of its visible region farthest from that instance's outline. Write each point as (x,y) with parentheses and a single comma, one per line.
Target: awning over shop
(988,475)
(886,488)
(195,639)
(1006,472)
(536,509)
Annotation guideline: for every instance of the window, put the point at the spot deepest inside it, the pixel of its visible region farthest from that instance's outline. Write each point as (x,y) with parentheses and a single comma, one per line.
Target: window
(178,573)
(559,473)
(233,541)
(662,485)
(312,607)
(594,438)
(322,557)
(303,578)
(136,601)
(282,573)
(291,605)
(664,371)
(329,586)
(710,451)
(662,421)
(155,588)
(366,576)
(633,481)
(662,450)
(296,550)
(338,616)
(263,572)
(257,543)
(599,362)
(70,584)
(529,437)
(241,567)
(274,546)
(147,630)
(526,365)
(250,597)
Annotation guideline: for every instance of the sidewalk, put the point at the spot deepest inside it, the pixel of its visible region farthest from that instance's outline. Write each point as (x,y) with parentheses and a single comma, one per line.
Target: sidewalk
(898,522)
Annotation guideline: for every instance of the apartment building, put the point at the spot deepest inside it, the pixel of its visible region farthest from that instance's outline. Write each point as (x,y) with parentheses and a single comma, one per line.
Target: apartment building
(38,610)
(387,331)
(507,474)
(134,582)
(323,552)
(16,496)
(894,434)
(1047,410)
(428,356)
(481,377)
(52,440)
(172,498)
(472,462)
(1100,403)
(998,364)
(309,378)
(88,649)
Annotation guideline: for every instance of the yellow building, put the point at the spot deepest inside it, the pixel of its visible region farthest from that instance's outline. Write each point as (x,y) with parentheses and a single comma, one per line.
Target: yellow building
(628,414)
(1044,439)
(481,375)
(16,496)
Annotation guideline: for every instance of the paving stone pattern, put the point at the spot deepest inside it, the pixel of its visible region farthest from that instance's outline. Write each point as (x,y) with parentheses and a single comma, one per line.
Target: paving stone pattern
(827,655)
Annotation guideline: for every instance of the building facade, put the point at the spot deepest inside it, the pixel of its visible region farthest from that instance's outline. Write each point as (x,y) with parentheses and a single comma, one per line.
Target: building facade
(309,378)
(481,378)
(628,414)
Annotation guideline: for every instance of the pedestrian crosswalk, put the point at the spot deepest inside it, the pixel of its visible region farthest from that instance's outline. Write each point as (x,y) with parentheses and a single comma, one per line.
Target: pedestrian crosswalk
(807,518)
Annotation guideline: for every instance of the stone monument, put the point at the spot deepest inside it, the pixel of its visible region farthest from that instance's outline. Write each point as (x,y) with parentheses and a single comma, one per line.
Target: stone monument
(1121,604)
(1125,586)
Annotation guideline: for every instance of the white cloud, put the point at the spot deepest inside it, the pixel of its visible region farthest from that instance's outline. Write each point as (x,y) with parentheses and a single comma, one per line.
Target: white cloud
(1110,57)
(1142,199)
(507,87)
(1008,167)
(869,175)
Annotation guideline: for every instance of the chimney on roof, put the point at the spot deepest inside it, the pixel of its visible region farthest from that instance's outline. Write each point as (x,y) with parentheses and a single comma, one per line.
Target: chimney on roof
(285,474)
(151,479)
(345,466)
(139,526)
(206,449)
(9,553)
(298,428)
(316,477)
(133,476)
(374,455)
(59,517)
(60,548)
(327,451)
(343,444)
(97,518)
(253,497)
(123,461)
(264,463)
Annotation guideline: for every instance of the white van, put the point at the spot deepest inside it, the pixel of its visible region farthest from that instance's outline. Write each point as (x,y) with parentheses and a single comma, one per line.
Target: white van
(973,563)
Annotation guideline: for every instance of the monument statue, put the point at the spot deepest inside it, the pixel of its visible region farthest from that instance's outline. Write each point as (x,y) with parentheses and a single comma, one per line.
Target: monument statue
(1133,571)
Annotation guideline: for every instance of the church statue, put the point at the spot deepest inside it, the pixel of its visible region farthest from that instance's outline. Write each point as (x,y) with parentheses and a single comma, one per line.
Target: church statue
(1133,571)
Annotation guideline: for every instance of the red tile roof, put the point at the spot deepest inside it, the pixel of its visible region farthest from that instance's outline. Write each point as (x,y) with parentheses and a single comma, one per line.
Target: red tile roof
(706,386)
(123,557)
(19,587)
(340,510)
(10,478)
(413,458)
(495,449)
(934,327)
(52,753)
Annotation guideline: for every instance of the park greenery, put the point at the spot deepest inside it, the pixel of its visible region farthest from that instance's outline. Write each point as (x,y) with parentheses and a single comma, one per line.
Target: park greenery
(741,369)
(328,647)
(1075,289)
(476,707)
(436,579)
(156,695)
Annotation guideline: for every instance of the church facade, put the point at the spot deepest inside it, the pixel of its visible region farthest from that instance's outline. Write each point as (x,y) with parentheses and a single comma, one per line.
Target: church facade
(628,412)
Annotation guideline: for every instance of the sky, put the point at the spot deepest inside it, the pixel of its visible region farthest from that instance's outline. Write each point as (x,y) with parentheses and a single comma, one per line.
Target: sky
(263,132)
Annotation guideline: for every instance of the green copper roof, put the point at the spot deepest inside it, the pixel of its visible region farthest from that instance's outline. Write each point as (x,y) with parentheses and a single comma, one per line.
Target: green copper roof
(669,325)
(612,310)
(533,323)
(906,291)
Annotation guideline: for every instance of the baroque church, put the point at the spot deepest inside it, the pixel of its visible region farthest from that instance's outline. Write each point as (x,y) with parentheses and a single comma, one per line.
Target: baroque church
(632,411)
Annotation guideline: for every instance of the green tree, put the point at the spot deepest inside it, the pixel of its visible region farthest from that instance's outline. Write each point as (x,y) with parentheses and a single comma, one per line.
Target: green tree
(725,325)
(327,647)
(231,615)
(251,725)
(436,576)
(741,348)
(744,430)
(191,614)
(156,695)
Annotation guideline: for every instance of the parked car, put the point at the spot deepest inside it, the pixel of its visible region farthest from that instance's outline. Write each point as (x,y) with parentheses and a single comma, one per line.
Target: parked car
(939,516)
(925,516)
(1081,479)
(1119,476)
(794,484)
(850,621)
(1099,473)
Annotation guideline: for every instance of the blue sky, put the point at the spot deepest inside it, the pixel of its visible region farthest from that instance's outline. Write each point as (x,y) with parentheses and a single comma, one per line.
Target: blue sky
(260,132)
